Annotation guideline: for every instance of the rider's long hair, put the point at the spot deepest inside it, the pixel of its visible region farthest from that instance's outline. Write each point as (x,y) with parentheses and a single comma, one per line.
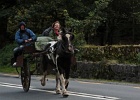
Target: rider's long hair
(55,23)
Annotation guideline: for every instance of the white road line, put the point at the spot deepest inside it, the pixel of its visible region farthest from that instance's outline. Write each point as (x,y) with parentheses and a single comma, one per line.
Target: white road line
(137,87)
(88,82)
(105,97)
(98,97)
(10,84)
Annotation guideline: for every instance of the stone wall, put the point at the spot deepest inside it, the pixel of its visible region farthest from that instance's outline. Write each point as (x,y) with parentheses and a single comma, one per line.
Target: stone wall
(102,70)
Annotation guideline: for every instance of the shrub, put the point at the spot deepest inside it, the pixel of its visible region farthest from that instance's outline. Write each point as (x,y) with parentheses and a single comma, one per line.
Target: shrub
(6,53)
(121,53)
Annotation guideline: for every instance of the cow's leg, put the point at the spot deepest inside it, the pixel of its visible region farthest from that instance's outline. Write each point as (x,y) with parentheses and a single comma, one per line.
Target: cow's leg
(58,90)
(64,91)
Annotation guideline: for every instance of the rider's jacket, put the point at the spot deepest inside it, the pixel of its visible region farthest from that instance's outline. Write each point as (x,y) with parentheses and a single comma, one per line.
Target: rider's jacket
(23,35)
(50,32)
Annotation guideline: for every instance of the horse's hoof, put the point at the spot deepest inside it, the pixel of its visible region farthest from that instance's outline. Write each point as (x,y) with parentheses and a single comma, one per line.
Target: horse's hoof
(65,94)
(43,83)
(58,91)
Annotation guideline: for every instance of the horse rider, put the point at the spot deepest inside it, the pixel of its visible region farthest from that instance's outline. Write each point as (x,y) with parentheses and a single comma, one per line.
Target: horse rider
(53,31)
(24,36)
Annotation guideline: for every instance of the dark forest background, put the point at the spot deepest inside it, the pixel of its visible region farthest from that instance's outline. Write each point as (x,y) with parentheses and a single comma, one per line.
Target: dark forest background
(95,22)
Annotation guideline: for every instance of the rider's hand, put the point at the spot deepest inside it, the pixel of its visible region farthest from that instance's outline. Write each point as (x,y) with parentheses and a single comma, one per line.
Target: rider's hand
(26,41)
(29,39)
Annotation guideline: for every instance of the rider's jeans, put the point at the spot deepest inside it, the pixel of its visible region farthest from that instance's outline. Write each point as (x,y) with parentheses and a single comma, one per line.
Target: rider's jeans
(17,52)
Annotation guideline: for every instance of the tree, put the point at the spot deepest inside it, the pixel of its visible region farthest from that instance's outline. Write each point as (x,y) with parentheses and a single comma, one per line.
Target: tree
(96,17)
(5,8)
(101,21)
(121,21)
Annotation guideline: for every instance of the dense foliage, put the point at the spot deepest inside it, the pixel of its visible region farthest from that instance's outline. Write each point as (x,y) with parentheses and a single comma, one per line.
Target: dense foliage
(100,22)
(96,22)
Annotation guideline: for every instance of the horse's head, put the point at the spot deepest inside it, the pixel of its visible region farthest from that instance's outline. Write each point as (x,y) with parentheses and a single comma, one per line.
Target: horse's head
(67,38)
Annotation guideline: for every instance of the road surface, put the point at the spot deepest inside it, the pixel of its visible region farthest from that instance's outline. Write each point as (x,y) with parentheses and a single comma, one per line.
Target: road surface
(11,89)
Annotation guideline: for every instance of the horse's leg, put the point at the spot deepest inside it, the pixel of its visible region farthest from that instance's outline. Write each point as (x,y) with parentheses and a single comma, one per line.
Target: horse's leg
(61,77)
(44,65)
(67,74)
(66,83)
(58,91)
(62,80)
(43,79)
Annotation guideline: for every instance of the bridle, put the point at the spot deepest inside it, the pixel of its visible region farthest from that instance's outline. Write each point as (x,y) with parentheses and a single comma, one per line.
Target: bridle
(66,45)
(67,49)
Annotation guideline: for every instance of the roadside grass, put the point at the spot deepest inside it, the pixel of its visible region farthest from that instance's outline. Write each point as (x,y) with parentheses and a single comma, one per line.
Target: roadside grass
(8,70)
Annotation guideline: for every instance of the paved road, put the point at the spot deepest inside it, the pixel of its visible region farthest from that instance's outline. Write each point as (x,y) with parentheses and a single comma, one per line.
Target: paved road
(11,89)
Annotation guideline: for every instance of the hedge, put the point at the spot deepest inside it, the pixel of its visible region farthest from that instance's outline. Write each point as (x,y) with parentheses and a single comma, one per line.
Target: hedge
(121,53)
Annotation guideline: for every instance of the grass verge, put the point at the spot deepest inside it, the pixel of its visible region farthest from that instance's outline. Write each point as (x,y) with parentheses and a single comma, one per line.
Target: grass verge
(9,70)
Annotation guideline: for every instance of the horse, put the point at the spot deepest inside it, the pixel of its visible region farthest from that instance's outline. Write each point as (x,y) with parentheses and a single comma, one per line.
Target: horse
(62,58)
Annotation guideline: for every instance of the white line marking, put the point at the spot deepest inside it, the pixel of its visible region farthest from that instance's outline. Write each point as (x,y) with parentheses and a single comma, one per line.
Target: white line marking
(10,84)
(137,87)
(88,82)
(98,97)
(105,97)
